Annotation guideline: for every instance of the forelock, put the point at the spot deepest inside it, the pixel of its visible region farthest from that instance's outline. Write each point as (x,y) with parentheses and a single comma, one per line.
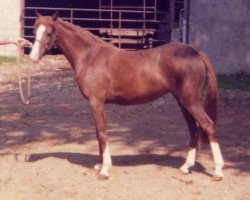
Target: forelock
(47,21)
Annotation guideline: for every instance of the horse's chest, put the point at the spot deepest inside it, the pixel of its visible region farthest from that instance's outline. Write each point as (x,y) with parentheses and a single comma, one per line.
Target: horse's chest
(84,84)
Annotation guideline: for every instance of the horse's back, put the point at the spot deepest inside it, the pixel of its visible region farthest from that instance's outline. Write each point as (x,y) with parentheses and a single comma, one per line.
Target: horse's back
(142,76)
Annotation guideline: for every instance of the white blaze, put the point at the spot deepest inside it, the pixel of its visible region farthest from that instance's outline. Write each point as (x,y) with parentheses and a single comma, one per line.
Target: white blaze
(34,55)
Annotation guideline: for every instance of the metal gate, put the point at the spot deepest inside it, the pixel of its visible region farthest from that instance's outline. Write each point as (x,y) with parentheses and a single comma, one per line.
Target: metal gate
(127,25)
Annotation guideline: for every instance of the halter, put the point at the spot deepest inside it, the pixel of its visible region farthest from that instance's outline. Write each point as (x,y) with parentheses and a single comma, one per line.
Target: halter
(45,45)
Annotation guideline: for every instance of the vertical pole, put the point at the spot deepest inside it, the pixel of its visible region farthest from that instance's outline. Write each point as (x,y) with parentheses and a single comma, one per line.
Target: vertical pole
(111,14)
(171,14)
(169,21)
(22,15)
(155,9)
(120,26)
(144,15)
(100,9)
(22,23)
(71,16)
(186,22)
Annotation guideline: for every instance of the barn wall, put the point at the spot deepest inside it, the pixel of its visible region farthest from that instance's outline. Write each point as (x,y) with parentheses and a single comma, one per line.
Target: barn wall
(9,24)
(221,28)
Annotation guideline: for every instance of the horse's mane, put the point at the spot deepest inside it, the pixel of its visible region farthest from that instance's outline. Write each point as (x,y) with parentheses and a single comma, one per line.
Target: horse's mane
(81,32)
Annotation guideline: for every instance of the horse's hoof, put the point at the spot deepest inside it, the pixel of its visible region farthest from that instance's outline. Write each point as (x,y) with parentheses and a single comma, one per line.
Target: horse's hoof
(103,177)
(98,167)
(184,170)
(27,158)
(216,178)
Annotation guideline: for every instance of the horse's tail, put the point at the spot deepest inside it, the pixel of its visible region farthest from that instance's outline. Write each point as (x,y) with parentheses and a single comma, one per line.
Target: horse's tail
(211,95)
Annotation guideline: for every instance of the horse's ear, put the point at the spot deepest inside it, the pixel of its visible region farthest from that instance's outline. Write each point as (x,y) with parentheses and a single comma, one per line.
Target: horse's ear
(55,16)
(38,14)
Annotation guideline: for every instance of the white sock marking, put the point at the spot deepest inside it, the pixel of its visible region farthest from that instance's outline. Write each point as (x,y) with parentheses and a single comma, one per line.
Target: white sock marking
(106,161)
(191,157)
(189,161)
(218,160)
(34,55)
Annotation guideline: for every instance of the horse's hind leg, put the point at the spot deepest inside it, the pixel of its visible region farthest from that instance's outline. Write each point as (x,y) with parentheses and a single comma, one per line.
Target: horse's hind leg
(97,107)
(207,125)
(193,130)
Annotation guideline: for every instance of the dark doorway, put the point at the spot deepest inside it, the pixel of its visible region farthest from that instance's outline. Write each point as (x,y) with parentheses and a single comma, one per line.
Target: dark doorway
(128,24)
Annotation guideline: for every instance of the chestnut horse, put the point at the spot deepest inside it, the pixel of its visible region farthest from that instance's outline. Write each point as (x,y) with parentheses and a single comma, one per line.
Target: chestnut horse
(107,74)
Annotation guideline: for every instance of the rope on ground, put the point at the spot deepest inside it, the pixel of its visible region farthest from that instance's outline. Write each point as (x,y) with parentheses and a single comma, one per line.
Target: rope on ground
(19,58)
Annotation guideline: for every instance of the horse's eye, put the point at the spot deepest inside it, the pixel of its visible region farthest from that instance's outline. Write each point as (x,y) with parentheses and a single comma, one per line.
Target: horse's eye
(49,34)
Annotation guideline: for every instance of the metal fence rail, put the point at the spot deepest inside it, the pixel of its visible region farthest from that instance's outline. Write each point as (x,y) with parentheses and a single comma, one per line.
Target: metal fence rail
(142,28)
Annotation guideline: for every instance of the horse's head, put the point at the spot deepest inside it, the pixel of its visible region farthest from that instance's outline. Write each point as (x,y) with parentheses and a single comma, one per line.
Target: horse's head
(45,35)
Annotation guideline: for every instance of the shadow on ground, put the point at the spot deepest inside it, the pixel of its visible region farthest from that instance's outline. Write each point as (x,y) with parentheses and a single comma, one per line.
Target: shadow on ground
(59,112)
(88,160)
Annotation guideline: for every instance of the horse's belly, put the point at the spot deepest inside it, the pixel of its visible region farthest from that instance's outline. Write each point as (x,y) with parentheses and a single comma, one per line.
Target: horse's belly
(136,95)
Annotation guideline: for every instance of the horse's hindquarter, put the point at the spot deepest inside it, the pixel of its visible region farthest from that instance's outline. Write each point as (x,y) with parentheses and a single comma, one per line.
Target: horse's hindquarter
(184,68)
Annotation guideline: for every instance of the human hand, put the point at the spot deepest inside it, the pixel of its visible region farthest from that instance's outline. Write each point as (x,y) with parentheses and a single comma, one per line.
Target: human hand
(23,43)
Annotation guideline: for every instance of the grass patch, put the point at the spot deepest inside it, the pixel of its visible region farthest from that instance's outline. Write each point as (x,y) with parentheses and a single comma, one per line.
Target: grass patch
(239,81)
(7,59)
(10,60)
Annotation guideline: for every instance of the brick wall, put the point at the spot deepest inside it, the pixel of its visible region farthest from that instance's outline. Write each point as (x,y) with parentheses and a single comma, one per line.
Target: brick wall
(10,11)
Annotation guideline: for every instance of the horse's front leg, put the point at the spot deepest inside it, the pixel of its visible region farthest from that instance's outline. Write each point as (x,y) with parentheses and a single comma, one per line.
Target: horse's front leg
(97,107)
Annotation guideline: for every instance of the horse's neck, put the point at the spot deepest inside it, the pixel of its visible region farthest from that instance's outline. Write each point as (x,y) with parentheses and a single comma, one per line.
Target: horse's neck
(71,42)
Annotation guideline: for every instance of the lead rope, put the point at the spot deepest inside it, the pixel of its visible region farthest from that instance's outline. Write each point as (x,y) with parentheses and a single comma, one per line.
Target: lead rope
(20,57)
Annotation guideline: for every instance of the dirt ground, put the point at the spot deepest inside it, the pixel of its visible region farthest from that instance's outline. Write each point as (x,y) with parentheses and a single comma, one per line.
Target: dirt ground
(48,148)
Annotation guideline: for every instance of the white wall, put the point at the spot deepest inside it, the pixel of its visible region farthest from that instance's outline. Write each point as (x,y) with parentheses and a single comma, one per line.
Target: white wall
(10,26)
